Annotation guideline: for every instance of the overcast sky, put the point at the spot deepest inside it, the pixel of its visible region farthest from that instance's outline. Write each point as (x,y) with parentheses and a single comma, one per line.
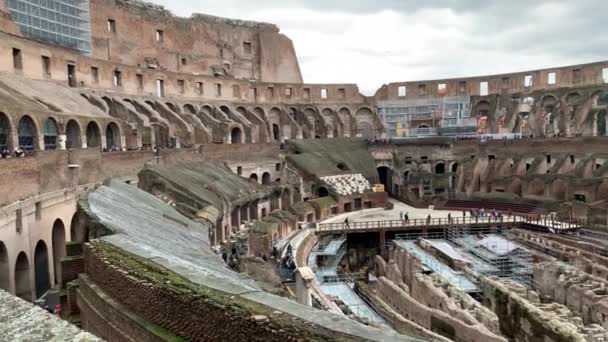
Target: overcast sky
(373,42)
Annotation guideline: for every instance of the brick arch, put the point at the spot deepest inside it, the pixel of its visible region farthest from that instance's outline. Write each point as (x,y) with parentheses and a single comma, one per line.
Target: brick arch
(93,134)
(73,132)
(28,132)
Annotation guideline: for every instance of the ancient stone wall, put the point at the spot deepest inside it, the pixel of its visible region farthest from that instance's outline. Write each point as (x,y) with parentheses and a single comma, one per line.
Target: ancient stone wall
(200,44)
(523,317)
(431,318)
(208,315)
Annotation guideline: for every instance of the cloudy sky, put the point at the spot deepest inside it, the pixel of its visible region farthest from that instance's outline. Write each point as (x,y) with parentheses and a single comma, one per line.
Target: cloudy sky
(372,42)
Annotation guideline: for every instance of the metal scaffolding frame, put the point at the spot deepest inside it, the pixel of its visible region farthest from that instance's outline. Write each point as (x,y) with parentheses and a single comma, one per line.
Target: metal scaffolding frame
(65,23)
(515,263)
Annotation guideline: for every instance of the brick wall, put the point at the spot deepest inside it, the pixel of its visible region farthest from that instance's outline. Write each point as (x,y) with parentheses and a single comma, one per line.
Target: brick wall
(207,315)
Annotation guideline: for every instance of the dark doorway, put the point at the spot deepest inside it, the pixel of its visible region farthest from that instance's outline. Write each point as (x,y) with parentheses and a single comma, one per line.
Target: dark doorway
(41,269)
(72,82)
(386,177)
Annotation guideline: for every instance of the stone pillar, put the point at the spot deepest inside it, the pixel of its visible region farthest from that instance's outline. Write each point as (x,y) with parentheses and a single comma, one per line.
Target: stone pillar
(304,279)
(61,141)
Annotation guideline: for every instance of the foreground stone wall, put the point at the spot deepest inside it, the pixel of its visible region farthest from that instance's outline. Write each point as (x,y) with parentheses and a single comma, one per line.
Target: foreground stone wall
(523,318)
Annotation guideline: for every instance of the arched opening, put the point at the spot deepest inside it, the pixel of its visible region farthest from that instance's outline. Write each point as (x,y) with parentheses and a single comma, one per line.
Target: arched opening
(27,134)
(41,269)
(112,137)
(253,210)
(386,177)
(58,248)
(266,178)
(254,177)
(236,136)
(454,167)
(51,133)
(322,192)
(366,130)
(78,229)
(275,200)
(188,108)
(276,134)
(439,168)
(286,199)
(5,281)
(73,135)
(93,135)
(342,167)
(5,133)
(601,123)
(22,278)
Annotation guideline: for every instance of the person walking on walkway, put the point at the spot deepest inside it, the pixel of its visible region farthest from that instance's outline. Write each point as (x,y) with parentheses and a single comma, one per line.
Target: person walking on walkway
(346,223)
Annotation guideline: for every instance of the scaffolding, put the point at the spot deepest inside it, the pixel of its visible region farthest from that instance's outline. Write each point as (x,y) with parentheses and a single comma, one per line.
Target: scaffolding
(492,254)
(450,114)
(66,23)
(489,253)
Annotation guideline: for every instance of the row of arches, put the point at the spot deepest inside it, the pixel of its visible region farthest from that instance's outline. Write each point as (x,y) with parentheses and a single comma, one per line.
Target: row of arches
(28,135)
(43,257)
(266,178)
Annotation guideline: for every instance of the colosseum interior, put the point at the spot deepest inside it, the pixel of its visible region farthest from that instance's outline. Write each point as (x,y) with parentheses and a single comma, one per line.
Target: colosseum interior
(174,179)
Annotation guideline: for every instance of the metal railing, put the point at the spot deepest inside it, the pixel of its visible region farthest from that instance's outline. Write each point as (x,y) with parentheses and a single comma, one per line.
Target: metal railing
(545,221)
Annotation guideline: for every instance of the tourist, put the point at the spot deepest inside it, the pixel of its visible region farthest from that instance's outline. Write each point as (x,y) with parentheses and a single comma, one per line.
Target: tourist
(401,215)
(5,153)
(428,220)
(19,153)
(406,218)
(346,223)
(450,218)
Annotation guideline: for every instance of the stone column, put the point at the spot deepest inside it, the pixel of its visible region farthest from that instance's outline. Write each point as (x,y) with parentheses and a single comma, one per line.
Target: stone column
(61,141)
(304,278)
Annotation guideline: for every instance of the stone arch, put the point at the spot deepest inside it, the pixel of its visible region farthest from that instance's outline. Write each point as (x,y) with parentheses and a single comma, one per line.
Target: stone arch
(254,177)
(558,189)
(259,112)
(58,241)
(365,129)
(266,178)
(236,136)
(275,199)
(274,121)
(482,108)
(440,168)
(276,132)
(112,136)
(535,187)
(93,135)
(73,135)
(173,107)
(28,133)
(161,134)
(365,122)
(347,119)
(78,229)
(286,199)
(41,269)
(22,277)
(253,210)
(574,98)
(297,195)
(51,134)
(189,108)
(5,132)
(5,281)
(516,186)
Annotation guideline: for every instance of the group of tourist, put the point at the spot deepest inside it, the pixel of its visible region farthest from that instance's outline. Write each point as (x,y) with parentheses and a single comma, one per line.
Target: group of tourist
(493,215)
(6,154)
